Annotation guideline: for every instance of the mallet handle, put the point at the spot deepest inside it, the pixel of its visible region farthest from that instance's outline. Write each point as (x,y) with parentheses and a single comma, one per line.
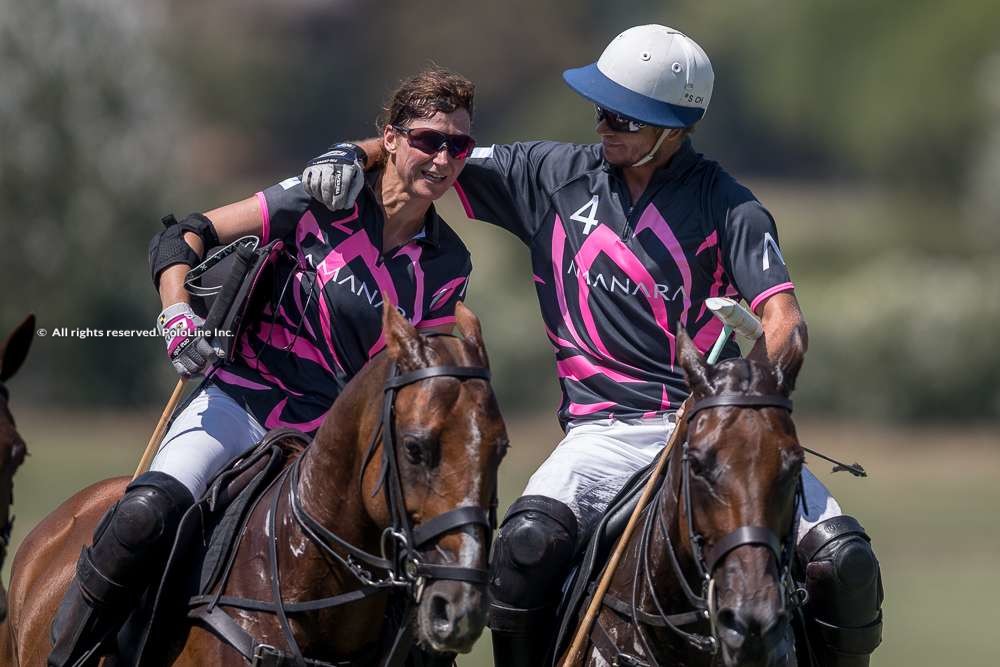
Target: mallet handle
(161,426)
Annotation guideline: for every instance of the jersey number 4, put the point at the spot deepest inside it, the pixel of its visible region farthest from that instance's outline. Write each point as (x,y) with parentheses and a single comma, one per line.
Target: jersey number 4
(587,214)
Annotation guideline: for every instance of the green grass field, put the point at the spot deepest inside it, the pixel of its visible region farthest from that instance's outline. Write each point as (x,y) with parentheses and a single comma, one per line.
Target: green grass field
(929,504)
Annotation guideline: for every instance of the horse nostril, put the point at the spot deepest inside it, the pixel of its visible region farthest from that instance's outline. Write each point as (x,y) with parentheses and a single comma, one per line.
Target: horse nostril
(441,616)
(732,631)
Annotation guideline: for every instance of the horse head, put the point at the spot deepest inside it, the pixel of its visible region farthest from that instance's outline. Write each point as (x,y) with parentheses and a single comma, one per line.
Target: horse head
(449,439)
(13,350)
(741,470)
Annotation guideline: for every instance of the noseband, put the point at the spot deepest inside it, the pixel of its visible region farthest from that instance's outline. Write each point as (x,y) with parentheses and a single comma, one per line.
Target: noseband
(706,562)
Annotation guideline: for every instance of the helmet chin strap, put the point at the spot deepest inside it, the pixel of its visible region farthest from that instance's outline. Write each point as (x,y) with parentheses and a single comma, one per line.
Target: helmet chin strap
(652,151)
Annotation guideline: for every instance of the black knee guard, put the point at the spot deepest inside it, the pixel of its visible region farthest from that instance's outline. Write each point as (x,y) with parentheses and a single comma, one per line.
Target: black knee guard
(844,584)
(530,560)
(139,527)
(533,551)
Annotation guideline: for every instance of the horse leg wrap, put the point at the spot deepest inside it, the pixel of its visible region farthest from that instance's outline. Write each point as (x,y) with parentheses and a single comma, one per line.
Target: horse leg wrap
(844,584)
(531,558)
(129,548)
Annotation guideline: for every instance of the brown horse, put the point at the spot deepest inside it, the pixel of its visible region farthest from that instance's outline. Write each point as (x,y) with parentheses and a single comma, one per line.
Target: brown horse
(13,350)
(363,526)
(706,576)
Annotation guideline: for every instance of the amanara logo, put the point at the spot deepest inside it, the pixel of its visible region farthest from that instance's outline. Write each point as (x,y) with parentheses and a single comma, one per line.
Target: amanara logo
(625,286)
(354,285)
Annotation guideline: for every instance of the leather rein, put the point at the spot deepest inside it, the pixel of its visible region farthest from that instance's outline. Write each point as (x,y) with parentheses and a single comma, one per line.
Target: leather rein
(706,561)
(400,561)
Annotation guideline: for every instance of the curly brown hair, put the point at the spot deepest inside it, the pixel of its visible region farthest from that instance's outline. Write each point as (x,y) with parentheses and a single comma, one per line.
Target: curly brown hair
(424,94)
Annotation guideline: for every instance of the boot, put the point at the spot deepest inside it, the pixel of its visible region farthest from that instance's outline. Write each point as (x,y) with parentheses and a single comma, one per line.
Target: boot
(130,544)
(521,644)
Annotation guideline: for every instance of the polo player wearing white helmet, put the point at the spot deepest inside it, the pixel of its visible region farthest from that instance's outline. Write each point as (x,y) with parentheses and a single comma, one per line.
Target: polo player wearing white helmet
(628,238)
(650,76)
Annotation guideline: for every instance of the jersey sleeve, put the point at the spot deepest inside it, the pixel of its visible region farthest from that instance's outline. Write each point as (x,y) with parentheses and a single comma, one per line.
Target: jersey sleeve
(751,252)
(508,185)
(282,206)
(441,301)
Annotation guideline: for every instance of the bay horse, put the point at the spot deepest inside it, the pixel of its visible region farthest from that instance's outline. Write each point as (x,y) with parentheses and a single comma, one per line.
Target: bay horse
(13,351)
(388,509)
(706,577)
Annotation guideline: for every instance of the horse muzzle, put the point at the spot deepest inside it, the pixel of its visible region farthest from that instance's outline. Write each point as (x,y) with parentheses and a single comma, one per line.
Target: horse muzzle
(754,636)
(451,616)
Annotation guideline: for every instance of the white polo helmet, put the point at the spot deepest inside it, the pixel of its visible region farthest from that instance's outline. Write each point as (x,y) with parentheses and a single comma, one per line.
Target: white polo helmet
(650,73)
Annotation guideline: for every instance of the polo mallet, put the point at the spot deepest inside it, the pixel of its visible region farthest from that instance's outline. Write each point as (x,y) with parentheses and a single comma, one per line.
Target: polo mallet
(734,318)
(243,255)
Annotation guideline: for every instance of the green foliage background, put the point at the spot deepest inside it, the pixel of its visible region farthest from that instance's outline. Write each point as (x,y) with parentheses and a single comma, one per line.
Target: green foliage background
(871,131)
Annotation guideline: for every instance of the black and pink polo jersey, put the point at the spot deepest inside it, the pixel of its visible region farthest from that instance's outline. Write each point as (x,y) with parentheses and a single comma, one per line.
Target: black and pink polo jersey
(616,278)
(323,319)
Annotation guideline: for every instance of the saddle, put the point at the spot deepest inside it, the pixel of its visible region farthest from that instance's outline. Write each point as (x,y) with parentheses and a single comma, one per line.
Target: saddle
(206,541)
(596,555)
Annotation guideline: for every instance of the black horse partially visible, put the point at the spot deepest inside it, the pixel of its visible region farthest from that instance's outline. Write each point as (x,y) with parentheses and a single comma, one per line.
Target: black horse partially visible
(13,350)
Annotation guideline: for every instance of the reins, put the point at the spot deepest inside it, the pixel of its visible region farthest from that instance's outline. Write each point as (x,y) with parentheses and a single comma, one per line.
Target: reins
(400,559)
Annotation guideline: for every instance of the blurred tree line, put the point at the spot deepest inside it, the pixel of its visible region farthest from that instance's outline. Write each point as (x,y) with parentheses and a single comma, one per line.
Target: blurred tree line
(871,131)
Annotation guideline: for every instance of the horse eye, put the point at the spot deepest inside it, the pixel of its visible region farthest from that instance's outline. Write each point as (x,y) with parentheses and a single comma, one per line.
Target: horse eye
(701,469)
(414,451)
(791,462)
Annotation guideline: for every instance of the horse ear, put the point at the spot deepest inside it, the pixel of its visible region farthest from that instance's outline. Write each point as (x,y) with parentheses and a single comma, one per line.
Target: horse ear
(15,348)
(695,368)
(472,332)
(405,345)
(789,362)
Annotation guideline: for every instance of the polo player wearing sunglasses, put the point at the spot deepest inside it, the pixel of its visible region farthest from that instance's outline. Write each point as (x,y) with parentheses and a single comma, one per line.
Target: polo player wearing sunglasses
(318,323)
(628,239)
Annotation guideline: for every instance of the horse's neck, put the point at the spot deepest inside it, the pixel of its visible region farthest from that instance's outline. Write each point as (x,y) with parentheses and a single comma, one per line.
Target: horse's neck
(331,471)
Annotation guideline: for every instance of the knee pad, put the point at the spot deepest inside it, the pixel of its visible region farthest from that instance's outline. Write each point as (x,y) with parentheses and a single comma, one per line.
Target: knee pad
(152,507)
(130,538)
(533,551)
(844,583)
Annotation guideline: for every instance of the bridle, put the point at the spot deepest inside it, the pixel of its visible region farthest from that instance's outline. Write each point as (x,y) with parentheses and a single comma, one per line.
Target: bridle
(706,561)
(400,560)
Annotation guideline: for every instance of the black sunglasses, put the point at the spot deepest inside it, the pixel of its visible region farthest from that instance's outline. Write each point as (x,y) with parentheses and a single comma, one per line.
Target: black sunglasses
(431,141)
(618,122)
